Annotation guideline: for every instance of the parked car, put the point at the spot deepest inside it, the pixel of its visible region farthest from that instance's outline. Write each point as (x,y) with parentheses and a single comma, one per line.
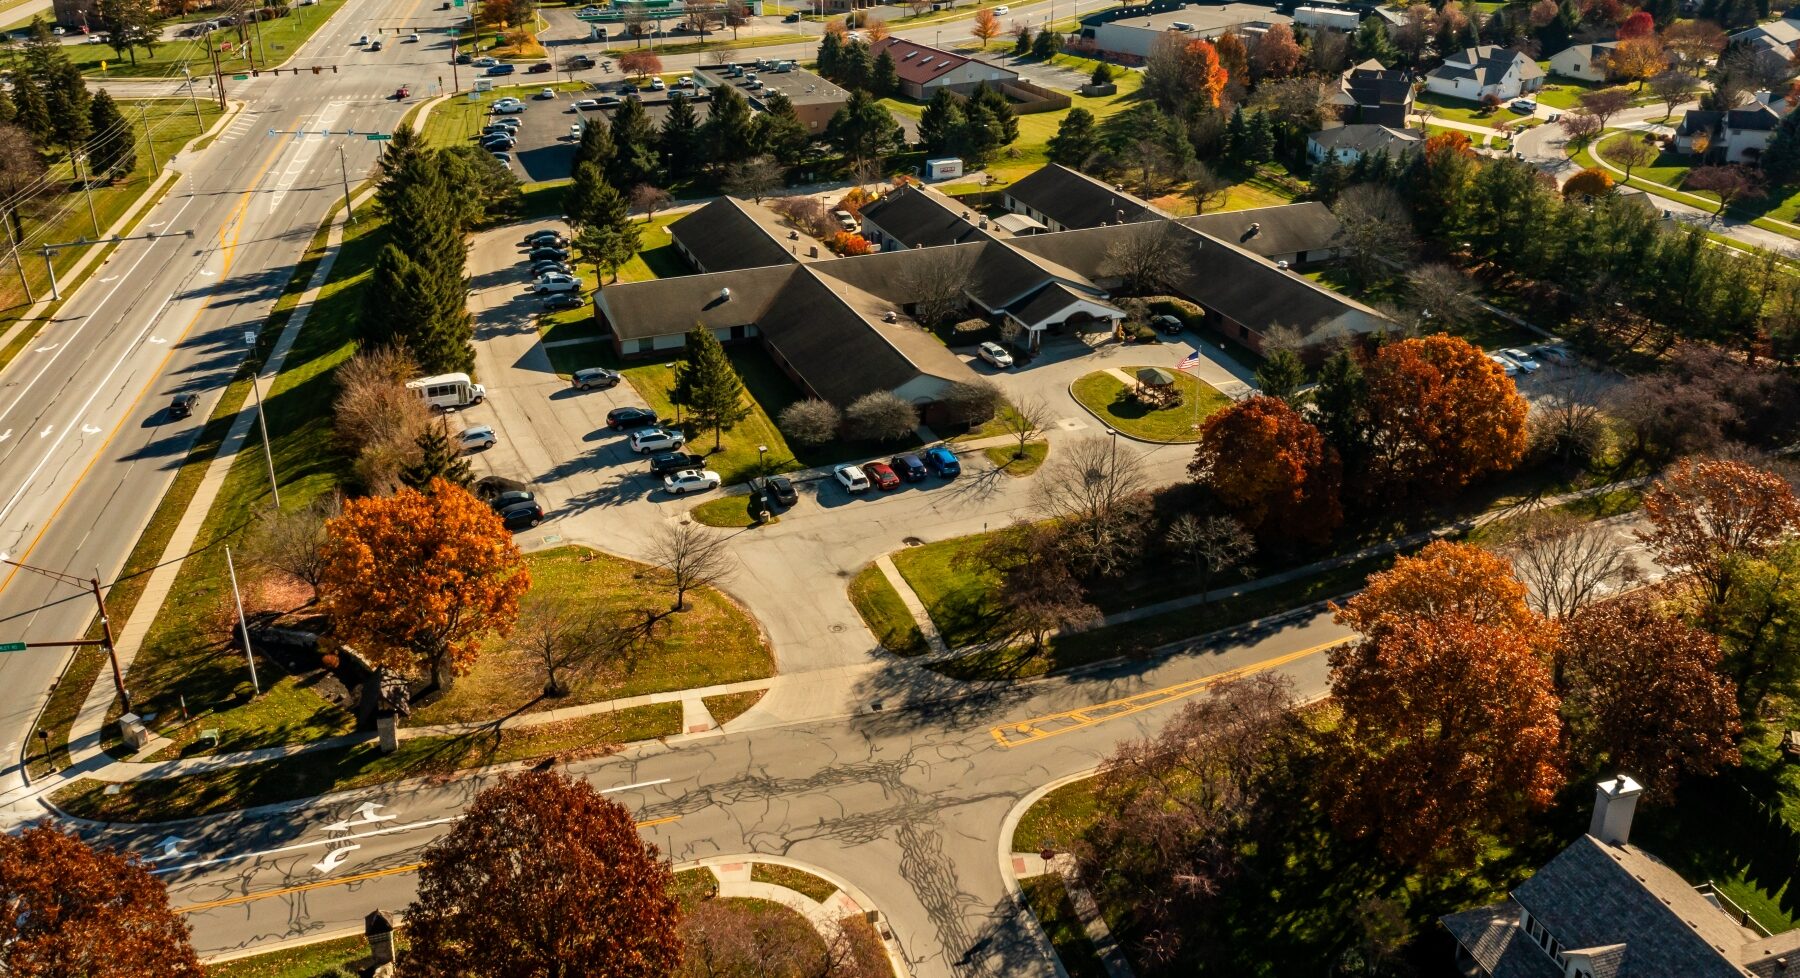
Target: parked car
(540,267)
(629,417)
(594,377)
(509,108)
(564,300)
(1556,353)
(775,488)
(412,38)
(1524,360)
(375,46)
(846,221)
(908,467)
(512,497)
(543,277)
(501,70)
(463,59)
(791,19)
(656,440)
(883,477)
(498,141)
(1506,366)
(562,285)
(664,463)
(581,62)
(1523,105)
(550,252)
(510,125)
(522,516)
(657,85)
(545,94)
(1166,324)
(539,67)
(852,478)
(182,405)
(504,158)
(942,462)
(477,438)
(588,105)
(691,480)
(995,354)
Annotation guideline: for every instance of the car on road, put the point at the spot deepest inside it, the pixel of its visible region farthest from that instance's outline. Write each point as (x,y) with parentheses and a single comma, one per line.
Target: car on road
(509,108)
(995,354)
(539,67)
(852,478)
(463,59)
(880,474)
(1524,360)
(510,498)
(550,252)
(791,19)
(594,377)
(502,70)
(656,440)
(580,62)
(375,46)
(477,438)
(522,516)
(621,418)
(1506,366)
(564,300)
(774,489)
(543,94)
(908,467)
(412,38)
(664,463)
(691,480)
(562,285)
(587,105)
(182,405)
(538,239)
(486,62)
(942,462)
(1166,324)
(402,92)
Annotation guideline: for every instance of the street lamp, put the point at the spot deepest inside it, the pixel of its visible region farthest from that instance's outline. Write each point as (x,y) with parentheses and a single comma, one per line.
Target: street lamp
(261,419)
(761,468)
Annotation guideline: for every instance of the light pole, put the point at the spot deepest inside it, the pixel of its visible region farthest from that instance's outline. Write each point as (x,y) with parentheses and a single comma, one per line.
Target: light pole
(105,641)
(761,452)
(262,421)
(87,187)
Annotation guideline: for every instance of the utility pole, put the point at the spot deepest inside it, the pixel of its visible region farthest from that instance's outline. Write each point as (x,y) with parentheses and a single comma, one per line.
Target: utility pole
(262,423)
(217,73)
(50,266)
(256,26)
(149,137)
(87,187)
(194,99)
(12,243)
(243,626)
(344,168)
(105,641)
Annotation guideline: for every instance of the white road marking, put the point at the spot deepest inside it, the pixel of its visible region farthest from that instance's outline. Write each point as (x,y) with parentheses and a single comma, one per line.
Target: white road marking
(334,859)
(171,847)
(47,430)
(47,349)
(6,434)
(390,830)
(367,811)
(89,429)
(628,787)
(158,339)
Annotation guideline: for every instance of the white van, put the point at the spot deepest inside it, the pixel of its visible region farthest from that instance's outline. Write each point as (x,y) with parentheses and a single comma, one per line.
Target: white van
(448,391)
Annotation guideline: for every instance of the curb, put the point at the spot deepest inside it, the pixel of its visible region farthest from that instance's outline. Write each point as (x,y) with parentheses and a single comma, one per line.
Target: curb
(895,956)
(1008,826)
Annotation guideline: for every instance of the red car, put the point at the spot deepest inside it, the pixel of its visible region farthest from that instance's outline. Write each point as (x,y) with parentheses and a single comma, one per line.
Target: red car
(882,475)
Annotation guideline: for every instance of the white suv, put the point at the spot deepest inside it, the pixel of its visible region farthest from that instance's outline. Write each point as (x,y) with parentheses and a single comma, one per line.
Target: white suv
(656,440)
(852,478)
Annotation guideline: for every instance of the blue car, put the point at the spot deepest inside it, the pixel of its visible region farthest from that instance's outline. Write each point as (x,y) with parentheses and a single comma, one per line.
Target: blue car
(908,467)
(942,462)
(502,69)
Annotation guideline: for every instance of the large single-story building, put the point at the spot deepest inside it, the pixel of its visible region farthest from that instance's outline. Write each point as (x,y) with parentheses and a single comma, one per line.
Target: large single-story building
(815,99)
(924,69)
(1063,199)
(729,233)
(1474,73)
(917,216)
(1588,62)
(1128,33)
(1298,234)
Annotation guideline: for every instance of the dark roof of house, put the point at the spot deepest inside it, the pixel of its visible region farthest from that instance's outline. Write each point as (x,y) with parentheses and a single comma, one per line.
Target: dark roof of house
(1752,118)
(921,64)
(1285,229)
(1050,300)
(920,216)
(1486,64)
(660,307)
(1699,120)
(1365,138)
(1488,933)
(729,234)
(1372,83)
(1075,200)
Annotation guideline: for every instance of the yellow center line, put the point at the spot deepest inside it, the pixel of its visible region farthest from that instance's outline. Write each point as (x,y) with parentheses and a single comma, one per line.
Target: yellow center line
(346,880)
(1052,724)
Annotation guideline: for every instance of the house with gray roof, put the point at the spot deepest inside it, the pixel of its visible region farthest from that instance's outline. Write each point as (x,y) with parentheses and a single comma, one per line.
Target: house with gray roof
(1064,199)
(1776,41)
(1298,234)
(915,216)
(1474,73)
(729,233)
(1351,143)
(1604,908)
(1736,136)
(1373,93)
(1588,62)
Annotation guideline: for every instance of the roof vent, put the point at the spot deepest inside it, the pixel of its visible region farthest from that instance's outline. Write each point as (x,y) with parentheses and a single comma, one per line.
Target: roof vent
(890,316)
(1781,964)
(1255,226)
(725,295)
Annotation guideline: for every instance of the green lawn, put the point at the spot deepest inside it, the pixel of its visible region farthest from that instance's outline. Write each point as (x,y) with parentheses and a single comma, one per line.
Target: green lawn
(1050,904)
(656,256)
(797,880)
(1057,818)
(1108,397)
(960,593)
(715,641)
(727,511)
(1007,459)
(306,961)
(278,41)
(344,768)
(885,614)
(1031,150)
(727,707)
(1463,111)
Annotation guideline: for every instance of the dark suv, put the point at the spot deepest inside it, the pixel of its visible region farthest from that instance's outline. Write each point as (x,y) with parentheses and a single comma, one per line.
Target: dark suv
(664,463)
(182,405)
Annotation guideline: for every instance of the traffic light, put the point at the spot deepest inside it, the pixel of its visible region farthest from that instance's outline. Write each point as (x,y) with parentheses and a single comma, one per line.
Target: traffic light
(315,69)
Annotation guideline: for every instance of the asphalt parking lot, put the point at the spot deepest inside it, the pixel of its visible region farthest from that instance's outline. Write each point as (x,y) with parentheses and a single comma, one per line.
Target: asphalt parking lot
(545,149)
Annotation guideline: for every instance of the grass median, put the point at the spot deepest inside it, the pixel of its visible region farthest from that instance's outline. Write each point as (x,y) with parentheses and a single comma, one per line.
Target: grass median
(882,610)
(1110,399)
(262,45)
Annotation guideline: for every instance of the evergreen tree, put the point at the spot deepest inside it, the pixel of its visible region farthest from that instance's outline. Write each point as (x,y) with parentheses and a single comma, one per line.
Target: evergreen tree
(113,149)
(863,130)
(1237,135)
(1282,375)
(728,128)
(979,136)
(439,458)
(1046,45)
(480,186)
(634,146)
(596,144)
(1372,41)
(1007,124)
(65,91)
(831,52)
(1340,400)
(1022,42)
(779,131)
(401,148)
(1781,161)
(405,302)
(680,138)
(940,124)
(1328,176)
(884,79)
(1261,142)
(853,66)
(1076,140)
(707,386)
(31,111)
(8,111)
(605,234)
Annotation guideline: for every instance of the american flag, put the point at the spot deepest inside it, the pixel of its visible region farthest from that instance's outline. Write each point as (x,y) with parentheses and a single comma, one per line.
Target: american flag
(1189,362)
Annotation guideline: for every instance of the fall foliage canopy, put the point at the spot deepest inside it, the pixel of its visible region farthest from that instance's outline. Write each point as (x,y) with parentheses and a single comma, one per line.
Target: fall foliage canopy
(1450,141)
(1445,578)
(1208,74)
(1706,513)
(1271,469)
(1441,416)
(74,910)
(1591,182)
(413,580)
(543,876)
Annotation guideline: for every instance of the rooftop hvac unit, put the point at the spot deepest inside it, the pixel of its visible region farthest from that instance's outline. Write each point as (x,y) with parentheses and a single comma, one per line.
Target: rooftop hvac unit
(725,295)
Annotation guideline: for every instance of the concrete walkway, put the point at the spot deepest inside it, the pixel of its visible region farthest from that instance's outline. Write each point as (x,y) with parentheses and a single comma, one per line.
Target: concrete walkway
(914,606)
(1106,948)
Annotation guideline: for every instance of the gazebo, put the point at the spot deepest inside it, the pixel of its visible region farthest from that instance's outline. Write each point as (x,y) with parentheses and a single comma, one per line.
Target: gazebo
(1156,387)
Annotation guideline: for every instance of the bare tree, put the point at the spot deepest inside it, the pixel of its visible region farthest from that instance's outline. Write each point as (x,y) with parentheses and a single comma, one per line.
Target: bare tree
(704,16)
(1565,561)
(1100,492)
(692,556)
(971,402)
(1605,103)
(647,199)
(754,178)
(1377,229)
(807,214)
(377,417)
(811,422)
(289,541)
(1672,88)
(880,416)
(1444,292)
(1028,417)
(1214,544)
(1150,257)
(558,633)
(938,281)
(1207,188)
(1042,596)
(1580,126)
(635,19)
(21,175)
(1565,416)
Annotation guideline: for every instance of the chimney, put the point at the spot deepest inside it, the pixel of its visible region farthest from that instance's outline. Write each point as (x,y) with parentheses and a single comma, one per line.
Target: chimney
(1765,97)
(1615,801)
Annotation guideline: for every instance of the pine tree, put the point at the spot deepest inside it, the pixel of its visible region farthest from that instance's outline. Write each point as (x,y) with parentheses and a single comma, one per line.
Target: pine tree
(1281,375)
(708,386)
(1328,177)
(1022,42)
(1341,401)
(439,458)
(863,129)
(1006,125)
(596,144)
(853,66)
(1046,45)
(1237,135)
(1781,161)
(400,149)
(831,51)
(405,302)
(779,131)
(980,133)
(634,140)
(679,140)
(67,98)
(884,79)
(1076,140)
(113,149)
(1372,41)
(726,134)
(1261,140)
(941,123)
(31,111)
(605,235)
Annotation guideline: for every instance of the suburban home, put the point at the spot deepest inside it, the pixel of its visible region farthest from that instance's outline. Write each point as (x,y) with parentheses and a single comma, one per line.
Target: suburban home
(1603,908)
(1588,62)
(1351,143)
(916,216)
(1297,234)
(1475,73)
(1127,33)
(1063,199)
(1736,136)
(1778,41)
(924,69)
(1373,93)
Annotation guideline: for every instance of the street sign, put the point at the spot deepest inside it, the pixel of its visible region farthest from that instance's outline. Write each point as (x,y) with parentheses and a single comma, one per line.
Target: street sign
(376,137)
(12,647)
(240,77)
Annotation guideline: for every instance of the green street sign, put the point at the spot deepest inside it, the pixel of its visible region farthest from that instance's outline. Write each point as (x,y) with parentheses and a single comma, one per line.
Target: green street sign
(377,137)
(240,77)
(12,647)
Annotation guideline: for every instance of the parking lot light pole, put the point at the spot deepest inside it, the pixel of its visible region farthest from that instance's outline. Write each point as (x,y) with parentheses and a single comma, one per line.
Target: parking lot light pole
(762,469)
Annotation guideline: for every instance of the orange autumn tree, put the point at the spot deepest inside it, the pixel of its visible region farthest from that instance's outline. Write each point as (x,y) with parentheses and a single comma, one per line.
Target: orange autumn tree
(1441,415)
(1449,724)
(1448,141)
(1234,56)
(987,27)
(71,909)
(1591,182)
(1207,74)
(1271,469)
(1707,516)
(413,581)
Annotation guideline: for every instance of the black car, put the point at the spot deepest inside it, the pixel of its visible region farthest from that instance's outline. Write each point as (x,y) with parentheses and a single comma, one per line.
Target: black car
(538,68)
(775,488)
(512,497)
(544,239)
(463,59)
(564,300)
(630,417)
(375,46)
(490,486)
(580,62)
(522,516)
(548,253)
(182,405)
(664,463)
(909,467)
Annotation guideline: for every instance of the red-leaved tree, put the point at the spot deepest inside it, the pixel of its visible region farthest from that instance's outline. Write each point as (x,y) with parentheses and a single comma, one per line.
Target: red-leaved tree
(1441,415)
(1707,514)
(1271,469)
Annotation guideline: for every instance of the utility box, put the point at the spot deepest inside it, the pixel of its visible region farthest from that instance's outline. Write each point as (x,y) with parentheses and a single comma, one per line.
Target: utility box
(132,728)
(378,927)
(943,168)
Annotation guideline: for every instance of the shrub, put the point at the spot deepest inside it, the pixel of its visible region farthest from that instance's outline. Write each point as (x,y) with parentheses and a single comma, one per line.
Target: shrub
(1169,305)
(847,243)
(810,422)
(880,416)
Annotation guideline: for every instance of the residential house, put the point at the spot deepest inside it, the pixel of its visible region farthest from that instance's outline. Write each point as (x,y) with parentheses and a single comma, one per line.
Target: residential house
(1373,93)
(1604,908)
(1588,62)
(924,69)
(1351,143)
(1290,234)
(1127,33)
(1777,41)
(1736,136)
(915,216)
(1475,73)
(1063,199)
